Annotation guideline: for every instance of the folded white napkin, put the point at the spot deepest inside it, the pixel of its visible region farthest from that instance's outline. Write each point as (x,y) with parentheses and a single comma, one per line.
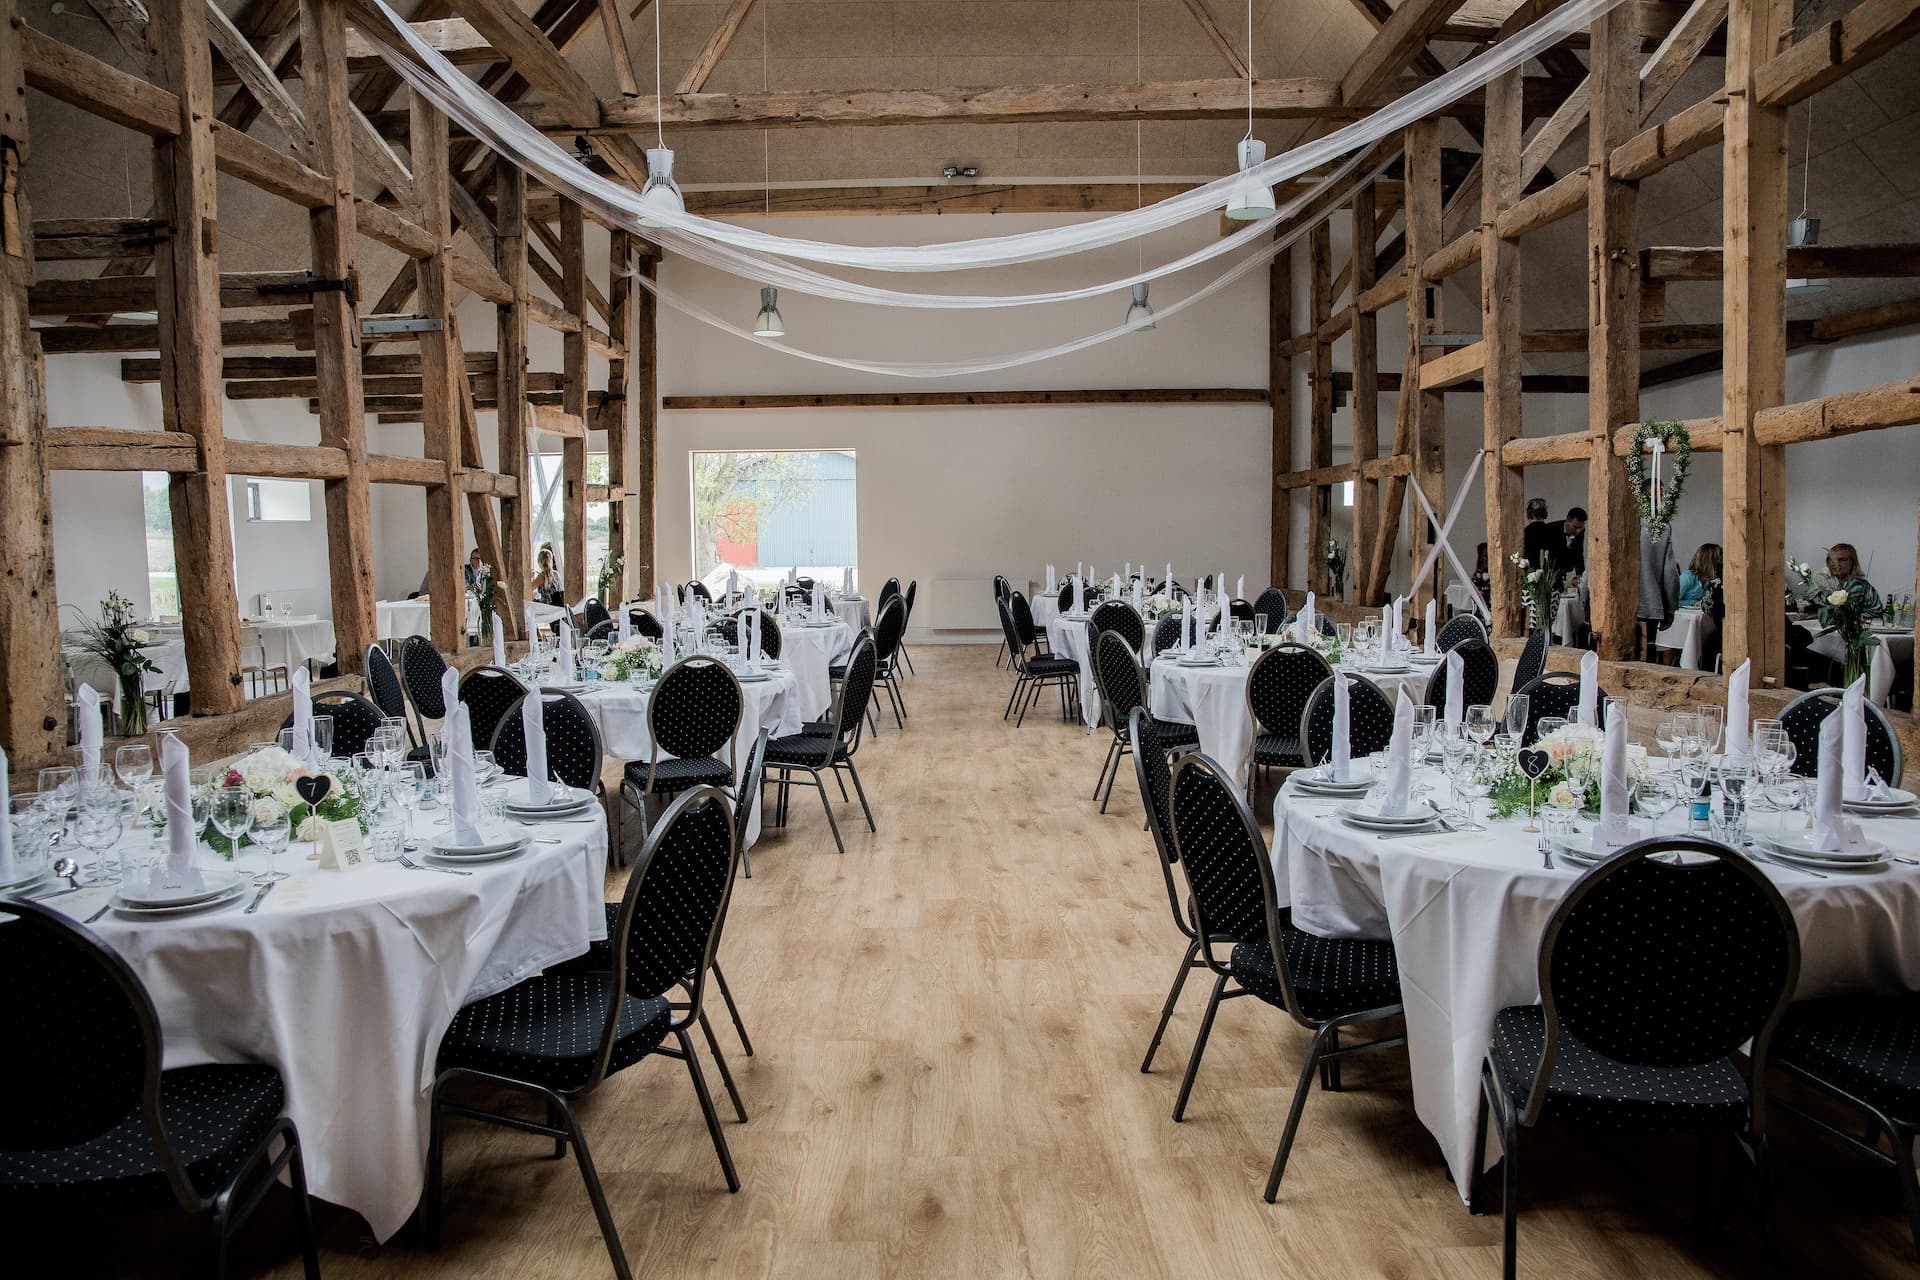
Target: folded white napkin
(499,644)
(533,726)
(742,628)
(1200,624)
(1399,622)
(177,774)
(303,744)
(1168,586)
(846,580)
(1589,710)
(1456,709)
(819,602)
(1833,831)
(1186,622)
(1880,674)
(457,733)
(1739,728)
(1305,623)
(449,690)
(1398,787)
(1386,631)
(533,632)
(1240,587)
(1079,569)
(7,872)
(1079,594)
(622,623)
(1342,719)
(87,711)
(566,654)
(1137,601)
(733,583)
(1430,642)
(793,573)
(1853,739)
(1612,828)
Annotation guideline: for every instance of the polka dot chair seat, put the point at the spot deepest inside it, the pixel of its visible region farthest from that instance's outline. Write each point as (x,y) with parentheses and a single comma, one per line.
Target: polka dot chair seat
(1655,967)
(1479,676)
(1802,719)
(573,739)
(1324,985)
(1278,686)
(355,720)
(488,693)
(548,1030)
(1369,720)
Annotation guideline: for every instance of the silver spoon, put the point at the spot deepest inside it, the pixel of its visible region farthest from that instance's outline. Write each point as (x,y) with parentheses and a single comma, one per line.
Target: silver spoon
(68,870)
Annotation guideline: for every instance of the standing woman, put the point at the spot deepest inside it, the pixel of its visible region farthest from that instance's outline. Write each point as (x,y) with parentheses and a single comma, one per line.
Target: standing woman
(1843,562)
(546,577)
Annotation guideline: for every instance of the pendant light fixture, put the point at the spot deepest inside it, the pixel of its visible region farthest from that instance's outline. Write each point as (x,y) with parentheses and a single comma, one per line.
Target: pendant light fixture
(1140,314)
(1252,199)
(1804,232)
(768,323)
(661,195)
(1140,311)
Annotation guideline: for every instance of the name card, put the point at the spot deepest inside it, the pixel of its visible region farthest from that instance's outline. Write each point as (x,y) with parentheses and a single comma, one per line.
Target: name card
(342,846)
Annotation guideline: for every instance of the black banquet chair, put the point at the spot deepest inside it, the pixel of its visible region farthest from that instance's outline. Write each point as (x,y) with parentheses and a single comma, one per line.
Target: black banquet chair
(1532,663)
(692,716)
(593,613)
(1029,632)
(1033,672)
(1369,720)
(828,747)
(1272,605)
(645,624)
(769,630)
(1557,693)
(1863,1052)
(1278,686)
(1459,629)
(1166,633)
(488,693)
(117,1133)
(1326,985)
(421,667)
(1117,616)
(386,692)
(1479,677)
(355,720)
(1654,970)
(1116,673)
(558,1036)
(574,752)
(1802,718)
(906,620)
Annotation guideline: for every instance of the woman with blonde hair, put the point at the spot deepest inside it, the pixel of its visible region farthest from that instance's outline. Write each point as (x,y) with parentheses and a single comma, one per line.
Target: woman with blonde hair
(547,588)
(1843,562)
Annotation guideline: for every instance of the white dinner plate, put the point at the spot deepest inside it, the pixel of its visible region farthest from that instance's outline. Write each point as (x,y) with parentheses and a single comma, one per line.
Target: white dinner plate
(1578,849)
(753,677)
(1893,802)
(1327,786)
(486,848)
(230,895)
(565,799)
(21,887)
(523,814)
(478,853)
(1422,816)
(1825,862)
(1189,660)
(212,885)
(1397,669)
(1799,846)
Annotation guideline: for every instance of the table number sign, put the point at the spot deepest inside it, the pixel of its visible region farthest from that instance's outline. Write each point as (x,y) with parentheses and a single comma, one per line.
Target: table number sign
(342,847)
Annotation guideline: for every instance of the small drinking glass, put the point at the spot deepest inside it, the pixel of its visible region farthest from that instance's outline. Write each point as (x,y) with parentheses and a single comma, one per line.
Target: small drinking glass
(272,829)
(31,826)
(386,827)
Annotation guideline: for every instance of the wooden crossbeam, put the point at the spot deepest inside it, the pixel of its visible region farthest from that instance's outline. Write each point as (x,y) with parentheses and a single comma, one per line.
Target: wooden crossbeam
(1848,261)
(968,399)
(1393,47)
(1235,59)
(716,47)
(61,71)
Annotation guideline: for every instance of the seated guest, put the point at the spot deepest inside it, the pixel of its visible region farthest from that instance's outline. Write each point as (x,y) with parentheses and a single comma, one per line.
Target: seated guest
(474,566)
(1843,562)
(1538,535)
(1482,580)
(1571,555)
(1701,571)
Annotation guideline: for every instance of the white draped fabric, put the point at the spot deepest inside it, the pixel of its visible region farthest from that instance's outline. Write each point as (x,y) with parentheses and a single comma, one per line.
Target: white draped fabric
(808,651)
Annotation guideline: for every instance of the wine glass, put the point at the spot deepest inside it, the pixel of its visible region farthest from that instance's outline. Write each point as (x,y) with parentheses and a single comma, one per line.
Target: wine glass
(272,829)
(134,764)
(1456,749)
(485,767)
(206,783)
(1518,705)
(1658,795)
(323,737)
(97,824)
(1581,769)
(58,787)
(1478,723)
(1666,736)
(1425,719)
(1713,722)
(233,813)
(1733,774)
(1548,726)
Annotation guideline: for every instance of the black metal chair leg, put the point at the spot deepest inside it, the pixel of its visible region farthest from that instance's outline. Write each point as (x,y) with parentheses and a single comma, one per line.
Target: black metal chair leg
(303,1209)
(1315,1048)
(554,1120)
(706,1109)
(827,803)
(1121,753)
(1476,1180)
(733,1010)
(1510,1196)
(1106,762)
(1019,685)
(862,793)
(436,1152)
(584,1158)
(1330,1067)
(841,783)
(1166,1009)
(720,1062)
(1199,1047)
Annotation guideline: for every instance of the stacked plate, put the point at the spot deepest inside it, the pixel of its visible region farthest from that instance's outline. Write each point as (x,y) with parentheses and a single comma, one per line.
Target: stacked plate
(19,886)
(1891,802)
(563,802)
(1420,816)
(1578,850)
(1386,668)
(1310,782)
(159,900)
(577,686)
(1197,658)
(492,847)
(1797,848)
(754,675)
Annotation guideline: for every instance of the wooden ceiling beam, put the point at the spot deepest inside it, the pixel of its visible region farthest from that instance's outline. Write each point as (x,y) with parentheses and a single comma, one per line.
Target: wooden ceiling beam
(1846,261)
(1401,38)
(1235,59)
(716,47)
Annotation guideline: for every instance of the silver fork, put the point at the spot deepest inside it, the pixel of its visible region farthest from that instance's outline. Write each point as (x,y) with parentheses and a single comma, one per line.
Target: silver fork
(411,865)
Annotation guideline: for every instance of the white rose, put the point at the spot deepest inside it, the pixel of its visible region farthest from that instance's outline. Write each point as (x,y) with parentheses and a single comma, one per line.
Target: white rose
(1837,598)
(138,636)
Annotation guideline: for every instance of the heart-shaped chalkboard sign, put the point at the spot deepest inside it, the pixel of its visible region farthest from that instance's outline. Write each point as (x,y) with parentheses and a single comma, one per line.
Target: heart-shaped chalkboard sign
(313,790)
(1534,762)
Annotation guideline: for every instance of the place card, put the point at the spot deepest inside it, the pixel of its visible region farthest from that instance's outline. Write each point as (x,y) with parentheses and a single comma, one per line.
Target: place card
(342,846)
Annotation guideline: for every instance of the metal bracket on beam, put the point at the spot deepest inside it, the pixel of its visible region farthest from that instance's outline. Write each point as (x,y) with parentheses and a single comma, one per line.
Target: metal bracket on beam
(372,325)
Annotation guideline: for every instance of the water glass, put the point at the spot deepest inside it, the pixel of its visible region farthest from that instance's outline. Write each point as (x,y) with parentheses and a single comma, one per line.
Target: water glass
(58,787)
(272,830)
(323,737)
(1658,796)
(1518,704)
(233,814)
(32,824)
(1478,723)
(98,825)
(1475,781)
(1424,719)
(1548,726)
(386,827)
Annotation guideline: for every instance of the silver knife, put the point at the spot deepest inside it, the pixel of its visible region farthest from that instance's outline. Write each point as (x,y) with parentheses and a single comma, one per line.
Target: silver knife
(259,895)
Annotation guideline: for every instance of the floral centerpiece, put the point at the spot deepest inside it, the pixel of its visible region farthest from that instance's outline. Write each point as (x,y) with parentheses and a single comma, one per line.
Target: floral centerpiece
(1840,609)
(273,775)
(1537,583)
(1807,587)
(116,640)
(486,594)
(1337,566)
(609,581)
(1157,606)
(1571,746)
(638,656)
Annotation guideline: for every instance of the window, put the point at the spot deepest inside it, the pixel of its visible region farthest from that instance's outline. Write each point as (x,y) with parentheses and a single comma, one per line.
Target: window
(279,501)
(1346,493)
(163,586)
(766,513)
(546,474)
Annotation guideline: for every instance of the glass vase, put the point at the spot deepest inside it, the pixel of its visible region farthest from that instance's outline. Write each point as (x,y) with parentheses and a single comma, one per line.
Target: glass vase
(1855,665)
(133,707)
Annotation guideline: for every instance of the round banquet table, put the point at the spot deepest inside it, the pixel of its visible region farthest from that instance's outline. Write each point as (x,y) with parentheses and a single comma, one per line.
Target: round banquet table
(1683,634)
(1213,700)
(1067,637)
(853,611)
(346,982)
(1045,607)
(809,651)
(169,655)
(291,642)
(1465,913)
(398,619)
(621,713)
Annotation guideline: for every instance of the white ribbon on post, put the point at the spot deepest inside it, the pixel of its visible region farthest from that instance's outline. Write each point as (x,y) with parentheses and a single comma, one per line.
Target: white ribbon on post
(1446,530)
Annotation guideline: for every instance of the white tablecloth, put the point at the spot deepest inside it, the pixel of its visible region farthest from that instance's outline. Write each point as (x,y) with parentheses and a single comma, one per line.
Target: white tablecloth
(1466,913)
(853,611)
(808,652)
(346,981)
(398,619)
(621,713)
(289,642)
(170,656)
(1684,635)
(1067,637)
(1569,617)
(1045,608)
(1826,642)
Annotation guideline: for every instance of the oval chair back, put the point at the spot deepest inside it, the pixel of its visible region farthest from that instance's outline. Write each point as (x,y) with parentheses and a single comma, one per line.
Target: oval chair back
(1116,672)
(593,613)
(1065,597)
(856,692)
(574,752)
(383,685)
(1533,659)
(700,589)
(421,667)
(746,794)
(1240,610)
(1458,629)
(1001,587)
(1369,720)
(1802,720)
(1011,632)
(488,693)
(645,624)
(1479,676)
(1155,776)
(1557,693)
(913,589)
(695,709)
(602,630)
(1166,633)
(1229,880)
(355,720)
(1666,963)
(887,632)
(888,590)
(1272,605)
(1118,616)
(1023,625)
(769,630)
(1278,686)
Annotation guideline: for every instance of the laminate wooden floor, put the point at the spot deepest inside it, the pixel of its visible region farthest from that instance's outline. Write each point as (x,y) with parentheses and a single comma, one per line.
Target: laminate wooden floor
(949,1021)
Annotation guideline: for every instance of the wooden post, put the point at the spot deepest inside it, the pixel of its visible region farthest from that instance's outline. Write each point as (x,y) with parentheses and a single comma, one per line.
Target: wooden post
(613,402)
(645,369)
(1280,407)
(510,257)
(32,697)
(1320,424)
(573,397)
(336,336)
(1500,331)
(1754,205)
(1366,386)
(440,364)
(1613,345)
(187,278)
(1428,442)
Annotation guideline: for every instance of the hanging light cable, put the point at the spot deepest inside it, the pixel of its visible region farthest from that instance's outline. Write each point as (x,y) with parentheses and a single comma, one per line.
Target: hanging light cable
(662,193)
(1804,232)
(768,323)
(1139,311)
(1252,197)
